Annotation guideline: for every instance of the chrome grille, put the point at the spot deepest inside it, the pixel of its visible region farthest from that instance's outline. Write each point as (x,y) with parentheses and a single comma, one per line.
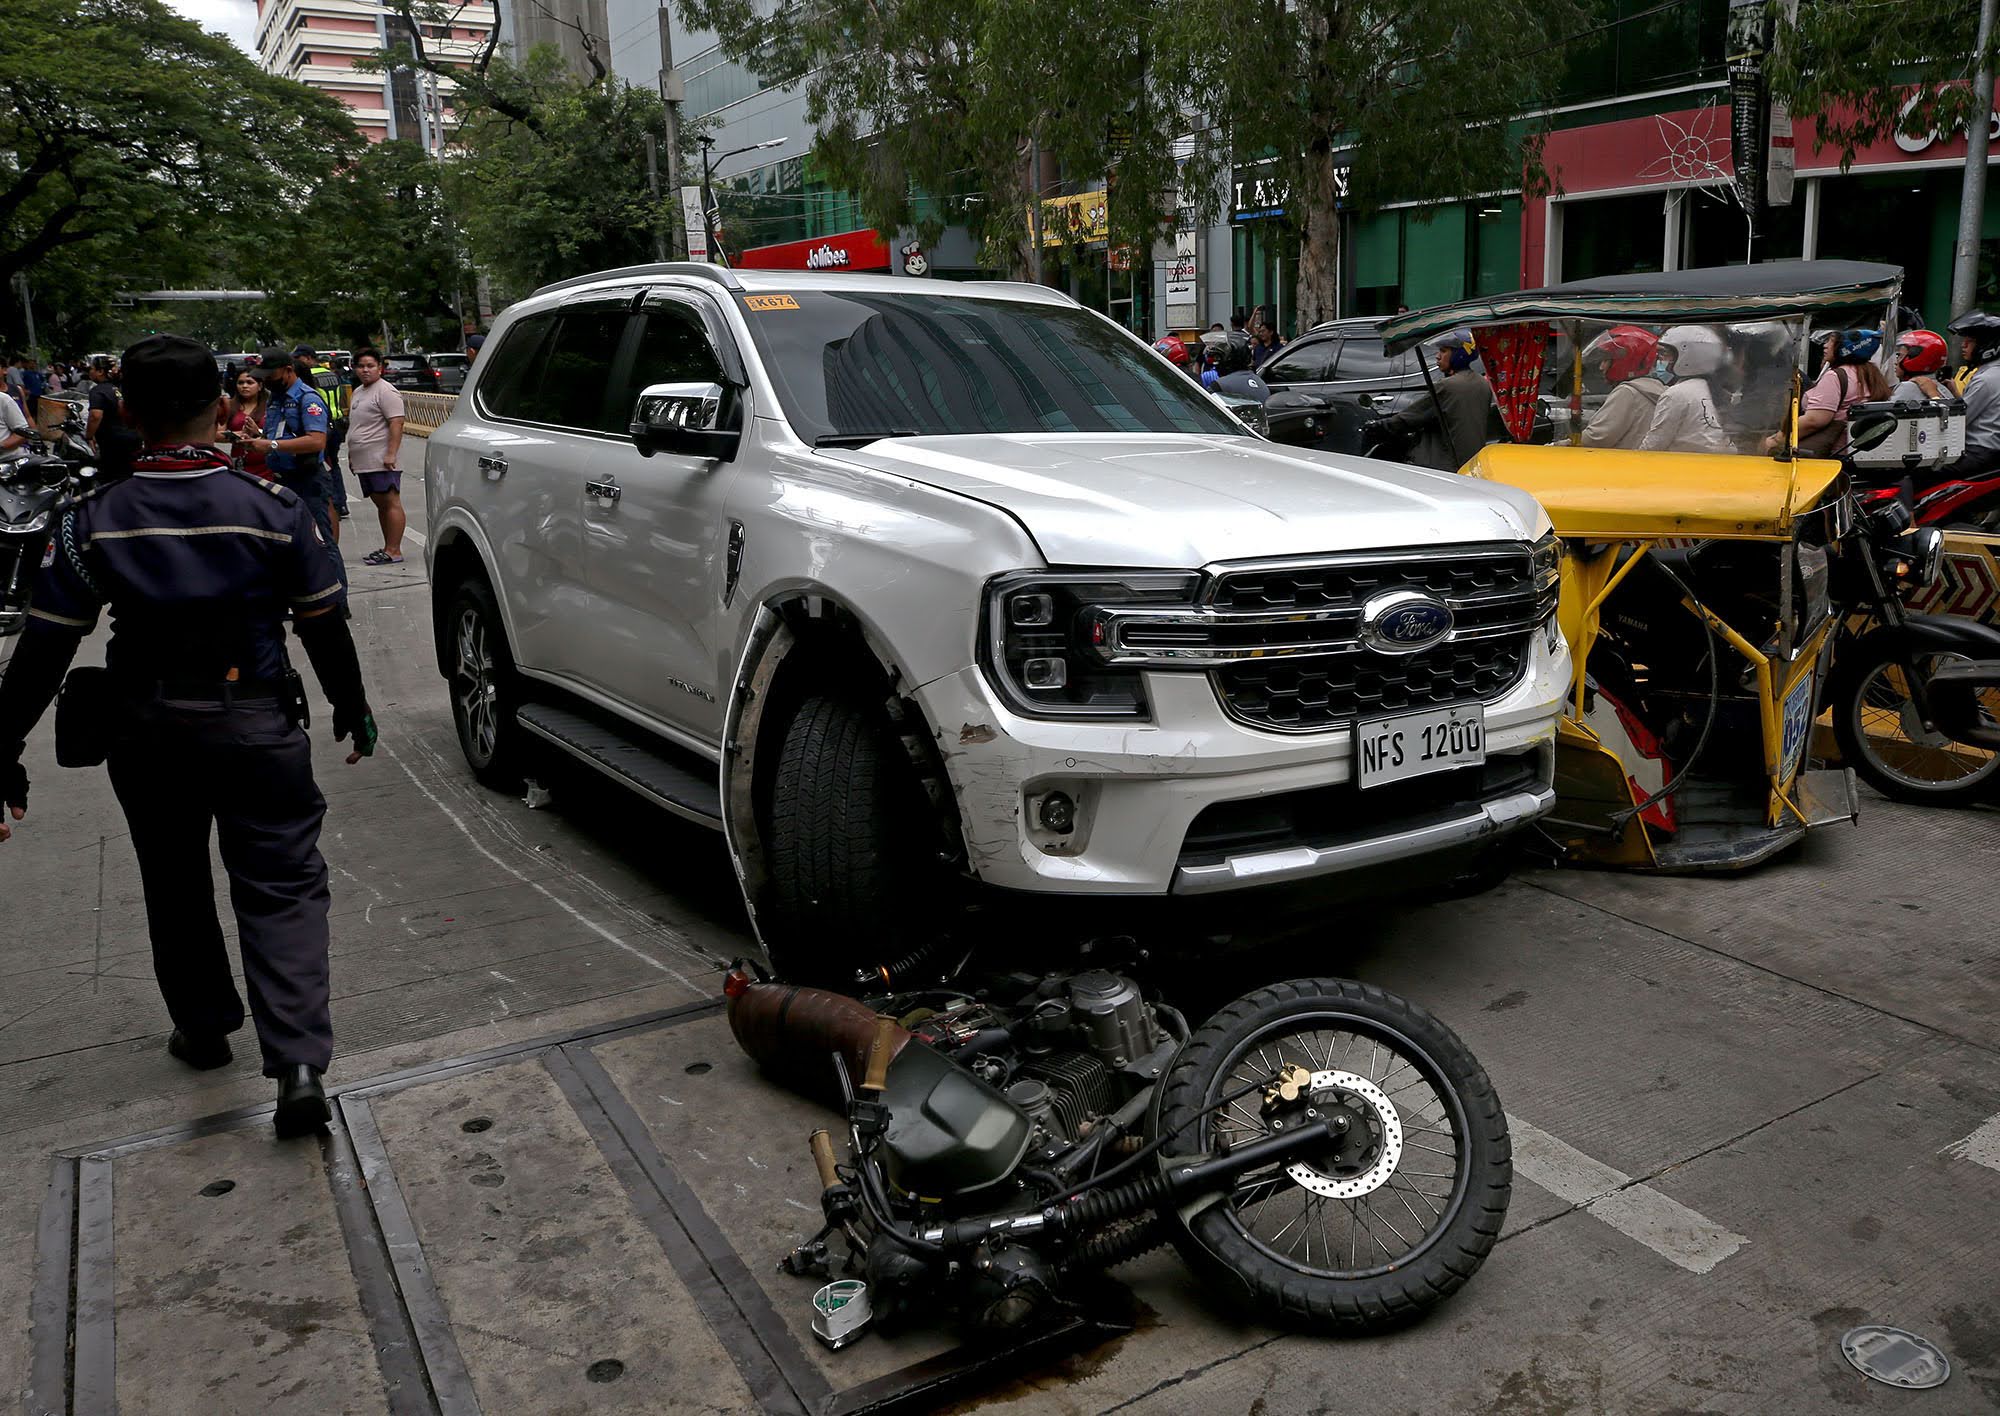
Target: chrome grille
(1312,672)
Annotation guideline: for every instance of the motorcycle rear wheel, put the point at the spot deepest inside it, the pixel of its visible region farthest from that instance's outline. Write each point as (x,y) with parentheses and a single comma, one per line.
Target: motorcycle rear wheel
(1292,1243)
(1876,726)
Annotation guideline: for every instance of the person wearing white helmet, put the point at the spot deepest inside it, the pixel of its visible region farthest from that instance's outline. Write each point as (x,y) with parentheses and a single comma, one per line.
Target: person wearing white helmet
(1685,419)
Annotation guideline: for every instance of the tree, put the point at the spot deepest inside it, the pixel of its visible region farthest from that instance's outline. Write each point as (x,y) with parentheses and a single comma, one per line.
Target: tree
(1867,73)
(549,174)
(131,142)
(1399,100)
(914,101)
(558,188)
(375,246)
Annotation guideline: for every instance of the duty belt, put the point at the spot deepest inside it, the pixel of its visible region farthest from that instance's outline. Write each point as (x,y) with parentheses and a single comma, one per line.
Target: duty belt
(203,690)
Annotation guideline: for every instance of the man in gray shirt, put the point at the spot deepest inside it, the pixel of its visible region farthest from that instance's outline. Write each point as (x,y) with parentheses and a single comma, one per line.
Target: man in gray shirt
(1451,427)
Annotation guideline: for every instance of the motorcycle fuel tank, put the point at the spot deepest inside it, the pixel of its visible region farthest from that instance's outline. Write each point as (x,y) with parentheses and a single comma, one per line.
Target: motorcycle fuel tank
(949,1133)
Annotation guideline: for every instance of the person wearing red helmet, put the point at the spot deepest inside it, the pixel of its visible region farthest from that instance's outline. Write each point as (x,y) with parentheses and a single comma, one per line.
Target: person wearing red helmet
(1920,359)
(1625,354)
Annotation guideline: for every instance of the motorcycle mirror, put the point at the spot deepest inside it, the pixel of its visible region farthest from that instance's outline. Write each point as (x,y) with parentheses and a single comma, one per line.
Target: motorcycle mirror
(1869,431)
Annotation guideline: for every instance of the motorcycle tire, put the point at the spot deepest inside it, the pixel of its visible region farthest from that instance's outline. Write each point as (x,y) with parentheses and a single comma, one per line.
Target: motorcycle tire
(1864,695)
(1229,1241)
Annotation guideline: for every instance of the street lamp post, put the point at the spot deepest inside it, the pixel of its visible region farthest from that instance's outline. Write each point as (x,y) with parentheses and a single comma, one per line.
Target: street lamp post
(708,161)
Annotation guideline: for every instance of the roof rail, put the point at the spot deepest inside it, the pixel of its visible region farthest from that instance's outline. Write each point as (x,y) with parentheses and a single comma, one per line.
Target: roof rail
(721,275)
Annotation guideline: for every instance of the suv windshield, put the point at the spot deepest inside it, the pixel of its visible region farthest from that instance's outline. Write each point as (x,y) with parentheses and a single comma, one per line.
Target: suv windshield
(848,365)
(406,361)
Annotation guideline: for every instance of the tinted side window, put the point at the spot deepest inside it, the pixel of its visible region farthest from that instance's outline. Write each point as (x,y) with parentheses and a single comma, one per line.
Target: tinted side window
(1306,363)
(514,366)
(673,348)
(1365,359)
(571,385)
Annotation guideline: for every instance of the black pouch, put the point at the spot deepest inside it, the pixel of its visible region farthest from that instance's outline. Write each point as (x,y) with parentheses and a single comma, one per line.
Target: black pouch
(88,711)
(292,698)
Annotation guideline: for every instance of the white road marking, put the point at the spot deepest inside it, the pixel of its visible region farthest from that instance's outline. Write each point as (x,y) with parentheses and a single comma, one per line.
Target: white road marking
(415,538)
(1982,1147)
(502,977)
(540,889)
(1666,1226)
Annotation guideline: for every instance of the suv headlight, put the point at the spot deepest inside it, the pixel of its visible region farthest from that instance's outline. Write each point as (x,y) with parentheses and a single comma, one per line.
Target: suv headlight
(1041,632)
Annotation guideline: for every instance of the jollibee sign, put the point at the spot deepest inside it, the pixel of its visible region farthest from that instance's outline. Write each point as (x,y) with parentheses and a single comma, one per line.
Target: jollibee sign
(850,250)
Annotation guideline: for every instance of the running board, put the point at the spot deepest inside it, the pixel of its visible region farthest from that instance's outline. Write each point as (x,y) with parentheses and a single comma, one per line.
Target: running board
(654,775)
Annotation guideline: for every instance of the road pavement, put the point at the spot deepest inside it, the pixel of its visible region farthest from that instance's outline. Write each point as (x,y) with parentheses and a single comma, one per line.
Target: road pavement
(1748,1114)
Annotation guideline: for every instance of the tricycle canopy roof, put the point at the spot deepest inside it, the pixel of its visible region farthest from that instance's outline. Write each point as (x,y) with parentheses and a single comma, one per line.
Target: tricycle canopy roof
(1606,494)
(1773,290)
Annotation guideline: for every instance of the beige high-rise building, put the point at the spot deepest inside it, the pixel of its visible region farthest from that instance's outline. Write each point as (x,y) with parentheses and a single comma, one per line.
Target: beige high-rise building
(319,42)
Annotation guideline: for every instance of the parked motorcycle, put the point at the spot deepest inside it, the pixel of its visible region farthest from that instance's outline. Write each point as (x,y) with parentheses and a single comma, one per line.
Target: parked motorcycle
(34,490)
(1919,458)
(1322,1151)
(1915,698)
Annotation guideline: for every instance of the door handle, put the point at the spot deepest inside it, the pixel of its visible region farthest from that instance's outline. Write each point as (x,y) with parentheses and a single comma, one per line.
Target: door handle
(493,467)
(606,490)
(1382,401)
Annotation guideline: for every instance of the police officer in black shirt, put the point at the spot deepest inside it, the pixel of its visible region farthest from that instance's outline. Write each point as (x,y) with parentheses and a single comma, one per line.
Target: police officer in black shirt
(200,716)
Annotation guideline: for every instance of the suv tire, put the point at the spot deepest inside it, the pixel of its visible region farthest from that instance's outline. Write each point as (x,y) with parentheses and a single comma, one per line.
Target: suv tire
(484,688)
(853,884)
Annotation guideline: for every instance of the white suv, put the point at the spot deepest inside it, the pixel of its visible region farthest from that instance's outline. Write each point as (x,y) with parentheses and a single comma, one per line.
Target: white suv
(907,585)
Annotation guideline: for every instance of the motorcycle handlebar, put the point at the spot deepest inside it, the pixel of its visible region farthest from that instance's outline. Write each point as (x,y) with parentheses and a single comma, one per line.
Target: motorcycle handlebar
(822,1154)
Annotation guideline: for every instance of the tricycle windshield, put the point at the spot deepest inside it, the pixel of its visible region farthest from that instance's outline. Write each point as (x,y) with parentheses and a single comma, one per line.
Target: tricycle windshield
(1716,387)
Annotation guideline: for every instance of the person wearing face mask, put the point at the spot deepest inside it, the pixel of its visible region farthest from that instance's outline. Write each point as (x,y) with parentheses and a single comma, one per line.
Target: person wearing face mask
(1685,419)
(1626,355)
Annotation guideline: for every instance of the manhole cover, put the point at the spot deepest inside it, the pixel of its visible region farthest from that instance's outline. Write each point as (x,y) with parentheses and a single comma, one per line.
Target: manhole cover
(476,1125)
(1895,1357)
(604,1369)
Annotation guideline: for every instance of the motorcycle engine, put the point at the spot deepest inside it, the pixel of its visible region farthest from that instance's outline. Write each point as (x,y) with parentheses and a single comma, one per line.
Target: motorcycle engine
(1056,1055)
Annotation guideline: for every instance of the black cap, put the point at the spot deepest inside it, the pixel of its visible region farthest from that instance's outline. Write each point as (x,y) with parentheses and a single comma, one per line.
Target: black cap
(269,359)
(168,379)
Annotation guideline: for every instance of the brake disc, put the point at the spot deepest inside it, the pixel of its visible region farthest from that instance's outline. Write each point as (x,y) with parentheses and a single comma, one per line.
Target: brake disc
(1347,1187)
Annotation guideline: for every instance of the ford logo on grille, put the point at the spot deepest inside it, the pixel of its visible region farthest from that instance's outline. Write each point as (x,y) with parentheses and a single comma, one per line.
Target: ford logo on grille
(1404,621)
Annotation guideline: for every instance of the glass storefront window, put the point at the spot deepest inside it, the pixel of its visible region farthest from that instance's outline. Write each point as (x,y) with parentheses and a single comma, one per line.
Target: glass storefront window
(1714,232)
(1613,235)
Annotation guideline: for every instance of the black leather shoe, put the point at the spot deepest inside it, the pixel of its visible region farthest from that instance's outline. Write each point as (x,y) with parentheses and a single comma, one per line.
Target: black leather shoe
(302,1105)
(202,1051)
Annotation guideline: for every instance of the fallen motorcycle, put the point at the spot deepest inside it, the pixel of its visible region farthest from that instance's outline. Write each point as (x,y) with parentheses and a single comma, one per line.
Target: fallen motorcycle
(1321,1151)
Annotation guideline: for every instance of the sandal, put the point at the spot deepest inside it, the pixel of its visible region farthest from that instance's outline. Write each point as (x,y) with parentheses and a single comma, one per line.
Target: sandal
(381,557)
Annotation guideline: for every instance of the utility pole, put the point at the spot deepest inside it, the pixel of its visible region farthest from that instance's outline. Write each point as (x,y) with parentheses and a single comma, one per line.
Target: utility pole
(1972,204)
(1035,208)
(672,94)
(28,313)
(653,183)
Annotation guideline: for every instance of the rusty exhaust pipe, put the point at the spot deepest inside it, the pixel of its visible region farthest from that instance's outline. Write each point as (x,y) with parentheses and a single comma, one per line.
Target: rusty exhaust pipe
(791,1032)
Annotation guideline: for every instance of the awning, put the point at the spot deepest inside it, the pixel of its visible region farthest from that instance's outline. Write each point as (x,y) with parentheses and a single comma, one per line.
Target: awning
(1738,292)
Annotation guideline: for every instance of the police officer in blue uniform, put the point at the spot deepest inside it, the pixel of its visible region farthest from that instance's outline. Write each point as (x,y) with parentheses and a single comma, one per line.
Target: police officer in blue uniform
(295,433)
(200,716)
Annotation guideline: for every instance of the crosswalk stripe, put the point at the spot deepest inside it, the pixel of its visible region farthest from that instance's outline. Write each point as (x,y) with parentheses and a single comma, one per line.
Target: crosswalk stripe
(1638,1211)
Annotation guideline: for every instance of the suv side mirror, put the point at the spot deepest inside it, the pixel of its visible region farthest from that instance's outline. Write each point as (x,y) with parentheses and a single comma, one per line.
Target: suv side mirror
(683,418)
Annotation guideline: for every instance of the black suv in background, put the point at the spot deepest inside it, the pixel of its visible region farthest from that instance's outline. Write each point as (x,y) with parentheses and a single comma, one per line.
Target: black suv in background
(1332,379)
(413,373)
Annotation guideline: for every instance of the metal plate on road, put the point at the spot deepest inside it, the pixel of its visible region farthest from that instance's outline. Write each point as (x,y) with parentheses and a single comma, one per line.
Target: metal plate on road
(1897,1358)
(1414,744)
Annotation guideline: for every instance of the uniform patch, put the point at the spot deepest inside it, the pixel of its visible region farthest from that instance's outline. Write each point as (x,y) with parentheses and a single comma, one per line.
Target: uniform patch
(312,408)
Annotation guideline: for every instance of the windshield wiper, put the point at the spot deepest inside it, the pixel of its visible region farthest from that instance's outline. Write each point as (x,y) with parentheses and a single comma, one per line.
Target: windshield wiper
(862,439)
